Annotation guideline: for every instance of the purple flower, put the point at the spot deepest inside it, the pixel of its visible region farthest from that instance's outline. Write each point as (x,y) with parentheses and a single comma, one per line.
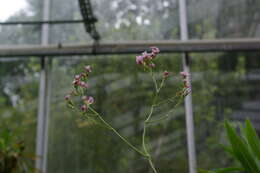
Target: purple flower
(77,77)
(184,74)
(88,68)
(67,97)
(76,82)
(90,100)
(155,50)
(84,108)
(146,56)
(84,85)
(139,60)
(165,74)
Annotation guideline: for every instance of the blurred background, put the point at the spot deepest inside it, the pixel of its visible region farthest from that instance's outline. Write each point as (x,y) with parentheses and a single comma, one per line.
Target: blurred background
(225,84)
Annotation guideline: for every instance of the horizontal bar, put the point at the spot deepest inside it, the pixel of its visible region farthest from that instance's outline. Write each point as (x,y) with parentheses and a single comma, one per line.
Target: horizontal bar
(41,22)
(169,46)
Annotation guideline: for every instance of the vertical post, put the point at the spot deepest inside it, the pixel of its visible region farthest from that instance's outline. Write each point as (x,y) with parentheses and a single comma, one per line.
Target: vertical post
(188,99)
(44,98)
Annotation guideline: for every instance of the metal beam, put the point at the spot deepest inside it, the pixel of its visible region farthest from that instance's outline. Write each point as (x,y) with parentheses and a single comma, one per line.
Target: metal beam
(170,46)
(44,98)
(188,98)
(51,22)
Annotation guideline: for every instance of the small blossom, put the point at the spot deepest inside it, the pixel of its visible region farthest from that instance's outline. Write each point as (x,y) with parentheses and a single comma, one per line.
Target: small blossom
(67,97)
(139,60)
(184,74)
(90,100)
(155,50)
(84,108)
(77,77)
(152,65)
(84,85)
(76,82)
(146,55)
(88,68)
(165,74)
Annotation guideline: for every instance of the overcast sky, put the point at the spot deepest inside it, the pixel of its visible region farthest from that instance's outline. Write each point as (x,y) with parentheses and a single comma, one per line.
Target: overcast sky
(10,7)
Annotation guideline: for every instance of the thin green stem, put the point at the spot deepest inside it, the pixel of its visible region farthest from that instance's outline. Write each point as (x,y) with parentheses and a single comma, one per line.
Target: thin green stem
(118,134)
(152,165)
(154,81)
(166,115)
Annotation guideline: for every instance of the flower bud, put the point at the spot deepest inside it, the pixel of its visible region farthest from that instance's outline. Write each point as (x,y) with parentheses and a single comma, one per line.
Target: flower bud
(165,74)
(77,77)
(155,50)
(88,68)
(84,108)
(67,97)
(90,100)
(139,60)
(184,74)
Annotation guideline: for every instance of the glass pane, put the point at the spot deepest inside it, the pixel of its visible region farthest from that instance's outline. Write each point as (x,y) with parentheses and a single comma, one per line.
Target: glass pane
(19,80)
(223,19)
(126,20)
(123,94)
(69,33)
(21,34)
(225,86)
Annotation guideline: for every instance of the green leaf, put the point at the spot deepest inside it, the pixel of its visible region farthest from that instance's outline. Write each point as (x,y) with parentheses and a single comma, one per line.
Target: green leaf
(252,139)
(241,150)
(227,170)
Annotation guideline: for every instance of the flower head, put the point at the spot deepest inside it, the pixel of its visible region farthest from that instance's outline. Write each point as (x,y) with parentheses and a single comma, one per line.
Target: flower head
(90,100)
(77,77)
(67,97)
(139,60)
(147,56)
(165,74)
(84,85)
(155,50)
(184,74)
(76,82)
(84,108)
(88,68)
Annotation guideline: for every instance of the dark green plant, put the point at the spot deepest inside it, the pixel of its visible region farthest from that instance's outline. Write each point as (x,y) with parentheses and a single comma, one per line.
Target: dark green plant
(244,148)
(12,154)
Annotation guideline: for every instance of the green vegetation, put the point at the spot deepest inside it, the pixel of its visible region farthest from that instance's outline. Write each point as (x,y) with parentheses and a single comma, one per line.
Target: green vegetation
(245,149)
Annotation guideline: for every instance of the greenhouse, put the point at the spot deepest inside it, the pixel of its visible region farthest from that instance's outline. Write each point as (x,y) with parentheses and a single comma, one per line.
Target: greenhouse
(133,86)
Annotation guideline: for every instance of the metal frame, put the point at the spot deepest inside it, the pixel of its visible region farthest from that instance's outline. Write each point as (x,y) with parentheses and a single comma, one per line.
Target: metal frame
(188,98)
(170,46)
(51,22)
(44,98)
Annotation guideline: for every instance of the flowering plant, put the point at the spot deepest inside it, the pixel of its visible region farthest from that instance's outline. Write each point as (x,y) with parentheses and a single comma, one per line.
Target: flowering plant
(148,62)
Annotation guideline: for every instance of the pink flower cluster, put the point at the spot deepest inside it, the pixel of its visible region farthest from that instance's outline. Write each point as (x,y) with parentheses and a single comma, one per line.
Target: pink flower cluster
(186,87)
(146,59)
(79,84)
(185,76)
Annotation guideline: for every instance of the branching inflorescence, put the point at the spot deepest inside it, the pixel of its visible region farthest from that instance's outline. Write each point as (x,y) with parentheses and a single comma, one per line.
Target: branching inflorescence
(147,61)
